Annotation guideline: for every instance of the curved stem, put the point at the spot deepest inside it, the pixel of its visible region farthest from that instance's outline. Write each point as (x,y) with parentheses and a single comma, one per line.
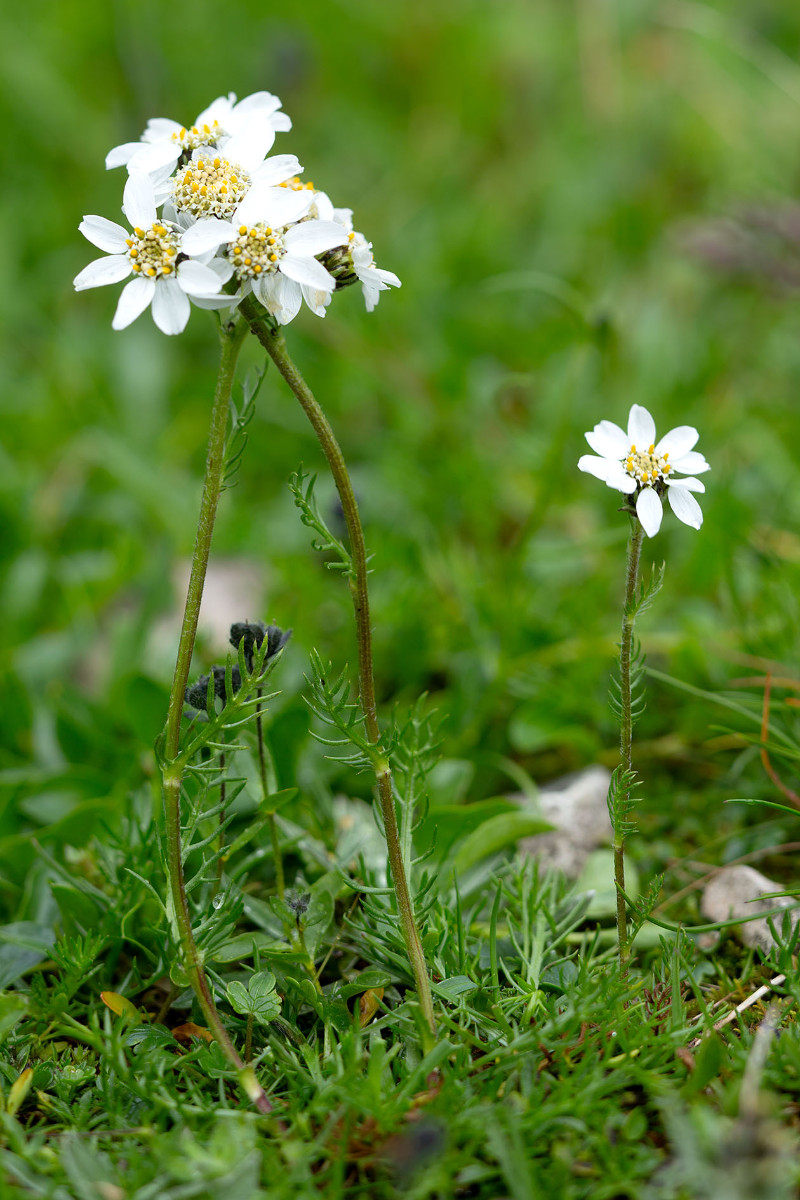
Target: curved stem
(231,337)
(626,727)
(274,343)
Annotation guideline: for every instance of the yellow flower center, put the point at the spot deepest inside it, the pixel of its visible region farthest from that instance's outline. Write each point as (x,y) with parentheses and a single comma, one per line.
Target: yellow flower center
(210,187)
(645,466)
(192,139)
(257,251)
(154,251)
(296,184)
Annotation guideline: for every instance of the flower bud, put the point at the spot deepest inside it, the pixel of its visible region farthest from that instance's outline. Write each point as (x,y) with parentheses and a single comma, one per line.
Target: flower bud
(252,634)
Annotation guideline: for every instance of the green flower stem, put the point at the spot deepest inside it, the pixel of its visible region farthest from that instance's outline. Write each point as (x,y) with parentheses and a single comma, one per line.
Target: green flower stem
(626,726)
(274,343)
(231,338)
(221,820)
(273,824)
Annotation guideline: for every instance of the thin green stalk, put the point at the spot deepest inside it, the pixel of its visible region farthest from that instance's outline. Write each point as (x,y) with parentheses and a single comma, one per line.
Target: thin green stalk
(231,338)
(273,824)
(626,730)
(274,343)
(221,820)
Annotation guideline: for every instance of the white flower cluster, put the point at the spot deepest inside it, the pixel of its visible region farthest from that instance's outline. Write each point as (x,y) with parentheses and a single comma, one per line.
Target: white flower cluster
(229,215)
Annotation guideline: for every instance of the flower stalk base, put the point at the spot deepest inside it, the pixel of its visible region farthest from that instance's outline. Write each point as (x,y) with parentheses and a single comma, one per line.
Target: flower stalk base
(173,765)
(623,800)
(273,341)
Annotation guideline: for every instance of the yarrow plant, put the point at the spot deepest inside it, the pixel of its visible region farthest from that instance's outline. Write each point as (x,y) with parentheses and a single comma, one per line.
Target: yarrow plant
(641,468)
(214,220)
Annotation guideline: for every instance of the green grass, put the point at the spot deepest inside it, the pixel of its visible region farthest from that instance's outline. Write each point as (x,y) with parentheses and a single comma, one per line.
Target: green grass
(530,172)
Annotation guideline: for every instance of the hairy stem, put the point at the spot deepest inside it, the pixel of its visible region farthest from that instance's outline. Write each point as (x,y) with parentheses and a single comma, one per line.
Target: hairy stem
(274,343)
(231,337)
(221,820)
(626,726)
(273,824)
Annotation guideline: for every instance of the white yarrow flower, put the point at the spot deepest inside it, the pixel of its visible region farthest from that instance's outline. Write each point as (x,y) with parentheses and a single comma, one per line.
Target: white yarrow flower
(272,249)
(634,462)
(353,259)
(213,183)
(150,252)
(164,142)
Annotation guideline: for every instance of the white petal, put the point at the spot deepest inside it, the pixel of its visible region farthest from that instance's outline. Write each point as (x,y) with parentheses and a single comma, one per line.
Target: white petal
(102,271)
(275,206)
(691,484)
(159,128)
(316,300)
(221,267)
(216,302)
(678,441)
(685,507)
(277,169)
(281,122)
(609,440)
(324,206)
(251,144)
(308,271)
(388,278)
(314,237)
(170,306)
(280,296)
(120,156)
(262,103)
(649,509)
(156,157)
(641,430)
(133,301)
(693,463)
(620,480)
(599,467)
(371,294)
(106,235)
(218,110)
(139,203)
(197,280)
(207,234)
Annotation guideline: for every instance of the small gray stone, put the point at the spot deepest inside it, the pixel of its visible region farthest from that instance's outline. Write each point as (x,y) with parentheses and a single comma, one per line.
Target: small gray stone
(735,892)
(576,805)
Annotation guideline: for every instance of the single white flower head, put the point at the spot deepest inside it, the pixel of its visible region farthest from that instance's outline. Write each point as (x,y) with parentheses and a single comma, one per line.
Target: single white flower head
(271,247)
(153,253)
(165,142)
(635,463)
(353,261)
(214,184)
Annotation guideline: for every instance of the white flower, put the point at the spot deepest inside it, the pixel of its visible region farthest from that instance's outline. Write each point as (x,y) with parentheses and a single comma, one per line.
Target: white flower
(634,462)
(150,252)
(272,249)
(164,141)
(214,183)
(373,279)
(353,260)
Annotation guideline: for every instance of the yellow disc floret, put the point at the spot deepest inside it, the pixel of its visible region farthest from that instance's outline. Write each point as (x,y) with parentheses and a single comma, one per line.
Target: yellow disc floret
(210,187)
(296,184)
(645,466)
(153,251)
(256,251)
(194,138)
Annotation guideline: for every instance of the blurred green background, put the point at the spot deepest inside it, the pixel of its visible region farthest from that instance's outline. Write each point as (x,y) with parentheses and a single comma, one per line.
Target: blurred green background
(535,173)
